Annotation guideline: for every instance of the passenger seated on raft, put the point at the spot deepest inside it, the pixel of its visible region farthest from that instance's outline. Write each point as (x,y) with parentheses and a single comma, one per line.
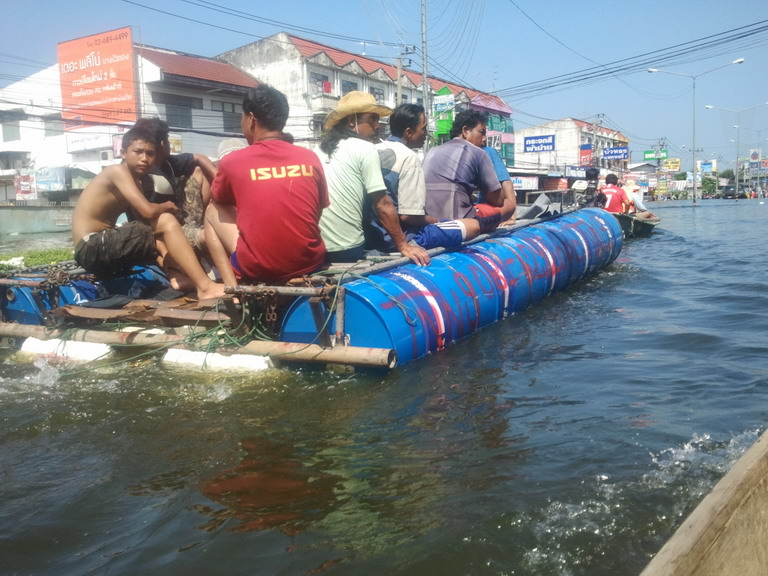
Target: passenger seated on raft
(454,171)
(267,199)
(101,247)
(404,178)
(354,174)
(184,179)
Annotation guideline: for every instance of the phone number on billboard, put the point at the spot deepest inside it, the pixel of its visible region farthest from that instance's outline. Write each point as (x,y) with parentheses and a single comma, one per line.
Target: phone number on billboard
(108,39)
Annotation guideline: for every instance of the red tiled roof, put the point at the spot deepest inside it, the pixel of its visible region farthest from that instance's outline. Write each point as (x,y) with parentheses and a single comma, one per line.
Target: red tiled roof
(309,49)
(582,124)
(191,66)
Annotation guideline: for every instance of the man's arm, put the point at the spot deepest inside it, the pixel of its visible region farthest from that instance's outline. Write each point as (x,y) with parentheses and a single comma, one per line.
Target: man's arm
(387,216)
(127,186)
(206,165)
(509,202)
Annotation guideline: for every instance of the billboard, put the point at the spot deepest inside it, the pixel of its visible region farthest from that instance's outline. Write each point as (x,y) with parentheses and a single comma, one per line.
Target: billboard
(97,79)
(653,154)
(443,103)
(576,171)
(24,182)
(585,154)
(525,182)
(618,153)
(539,143)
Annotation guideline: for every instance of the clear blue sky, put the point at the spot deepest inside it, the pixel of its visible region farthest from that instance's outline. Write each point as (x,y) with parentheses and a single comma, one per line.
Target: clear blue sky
(491,45)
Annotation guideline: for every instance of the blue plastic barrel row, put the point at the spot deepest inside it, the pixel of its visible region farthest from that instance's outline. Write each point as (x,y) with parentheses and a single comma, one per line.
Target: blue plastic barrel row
(420,310)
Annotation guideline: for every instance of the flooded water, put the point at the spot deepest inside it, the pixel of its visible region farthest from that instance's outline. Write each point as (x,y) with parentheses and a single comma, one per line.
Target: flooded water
(16,243)
(571,439)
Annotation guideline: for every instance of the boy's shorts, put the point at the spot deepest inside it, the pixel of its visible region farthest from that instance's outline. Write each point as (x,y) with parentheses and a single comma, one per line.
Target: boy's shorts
(446,234)
(116,248)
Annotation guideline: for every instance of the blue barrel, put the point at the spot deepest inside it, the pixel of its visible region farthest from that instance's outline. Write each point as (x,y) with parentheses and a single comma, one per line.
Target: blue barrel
(419,310)
(26,305)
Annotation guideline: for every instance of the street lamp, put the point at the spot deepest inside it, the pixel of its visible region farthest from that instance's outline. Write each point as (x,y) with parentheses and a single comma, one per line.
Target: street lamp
(738,131)
(693,108)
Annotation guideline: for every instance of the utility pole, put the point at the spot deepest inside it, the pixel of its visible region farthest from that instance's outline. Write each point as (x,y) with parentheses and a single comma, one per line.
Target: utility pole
(402,61)
(597,121)
(658,147)
(424,75)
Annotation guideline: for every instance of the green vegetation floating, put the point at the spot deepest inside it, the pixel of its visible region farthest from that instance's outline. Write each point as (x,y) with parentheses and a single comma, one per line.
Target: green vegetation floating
(32,258)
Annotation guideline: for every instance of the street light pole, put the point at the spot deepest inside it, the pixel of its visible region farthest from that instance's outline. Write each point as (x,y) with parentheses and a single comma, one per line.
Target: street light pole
(738,131)
(693,113)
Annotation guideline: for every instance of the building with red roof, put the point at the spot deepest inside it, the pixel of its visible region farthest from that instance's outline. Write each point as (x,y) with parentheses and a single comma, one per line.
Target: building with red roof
(315,76)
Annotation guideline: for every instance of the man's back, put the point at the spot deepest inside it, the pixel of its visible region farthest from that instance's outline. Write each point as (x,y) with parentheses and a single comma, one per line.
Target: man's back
(353,172)
(279,191)
(616,199)
(452,171)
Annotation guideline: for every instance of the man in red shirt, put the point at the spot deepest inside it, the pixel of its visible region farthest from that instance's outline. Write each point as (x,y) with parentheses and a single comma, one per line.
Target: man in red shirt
(267,199)
(615,198)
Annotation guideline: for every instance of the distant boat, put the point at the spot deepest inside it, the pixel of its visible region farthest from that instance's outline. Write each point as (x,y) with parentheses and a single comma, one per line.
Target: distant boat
(634,227)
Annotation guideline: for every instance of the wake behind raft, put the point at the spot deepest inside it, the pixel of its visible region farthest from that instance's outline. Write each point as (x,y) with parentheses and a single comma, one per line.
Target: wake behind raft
(376,315)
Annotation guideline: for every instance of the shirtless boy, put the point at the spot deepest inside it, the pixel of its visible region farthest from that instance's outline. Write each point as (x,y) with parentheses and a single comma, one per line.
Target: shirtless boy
(102,247)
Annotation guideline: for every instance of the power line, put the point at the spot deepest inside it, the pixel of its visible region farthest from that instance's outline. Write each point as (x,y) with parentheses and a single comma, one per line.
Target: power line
(639,62)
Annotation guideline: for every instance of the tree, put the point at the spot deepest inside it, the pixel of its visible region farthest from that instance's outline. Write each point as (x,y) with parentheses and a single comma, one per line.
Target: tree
(681,176)
(708,186)
(726,174)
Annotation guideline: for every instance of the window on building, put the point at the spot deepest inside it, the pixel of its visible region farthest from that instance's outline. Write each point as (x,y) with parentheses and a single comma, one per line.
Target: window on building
(231,117)
(11,120)
(403,98)
(178,116)
(348,86)
(317,126)
(53,126)
(232,122)
(378,93)
(178,109)
(319,83)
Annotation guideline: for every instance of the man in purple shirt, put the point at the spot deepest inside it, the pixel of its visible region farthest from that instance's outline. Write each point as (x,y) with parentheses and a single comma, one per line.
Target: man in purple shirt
(455,170)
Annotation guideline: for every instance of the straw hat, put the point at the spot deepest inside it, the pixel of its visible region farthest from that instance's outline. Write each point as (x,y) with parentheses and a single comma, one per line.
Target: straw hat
(630,186)
(355,103)
(230,145)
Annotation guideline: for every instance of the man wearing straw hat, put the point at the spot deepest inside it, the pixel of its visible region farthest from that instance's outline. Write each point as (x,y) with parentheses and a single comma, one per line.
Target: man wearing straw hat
(353,172)
(636,206)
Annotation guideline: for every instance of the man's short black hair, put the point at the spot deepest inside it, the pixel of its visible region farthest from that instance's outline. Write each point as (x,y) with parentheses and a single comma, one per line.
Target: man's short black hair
(611,179)
(159,128)
(268,105)
(405,116)
(138,133)
(468,118)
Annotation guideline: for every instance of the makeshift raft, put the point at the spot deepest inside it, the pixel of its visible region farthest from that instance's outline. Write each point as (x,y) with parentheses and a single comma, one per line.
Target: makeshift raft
(369,314)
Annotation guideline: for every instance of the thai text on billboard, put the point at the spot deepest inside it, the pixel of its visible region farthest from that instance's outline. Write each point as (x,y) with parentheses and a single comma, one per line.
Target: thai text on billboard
(525,182)
(539,143)
(617,153)
(97,79)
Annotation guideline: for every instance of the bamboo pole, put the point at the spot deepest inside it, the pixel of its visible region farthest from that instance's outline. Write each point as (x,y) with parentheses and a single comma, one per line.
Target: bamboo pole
(283,351)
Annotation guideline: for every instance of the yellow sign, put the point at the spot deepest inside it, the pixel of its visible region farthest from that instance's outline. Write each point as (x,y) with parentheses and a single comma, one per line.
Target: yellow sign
(672,164)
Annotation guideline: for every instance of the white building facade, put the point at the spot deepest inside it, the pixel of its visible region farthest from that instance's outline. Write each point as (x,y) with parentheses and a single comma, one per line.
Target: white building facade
(557,146)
